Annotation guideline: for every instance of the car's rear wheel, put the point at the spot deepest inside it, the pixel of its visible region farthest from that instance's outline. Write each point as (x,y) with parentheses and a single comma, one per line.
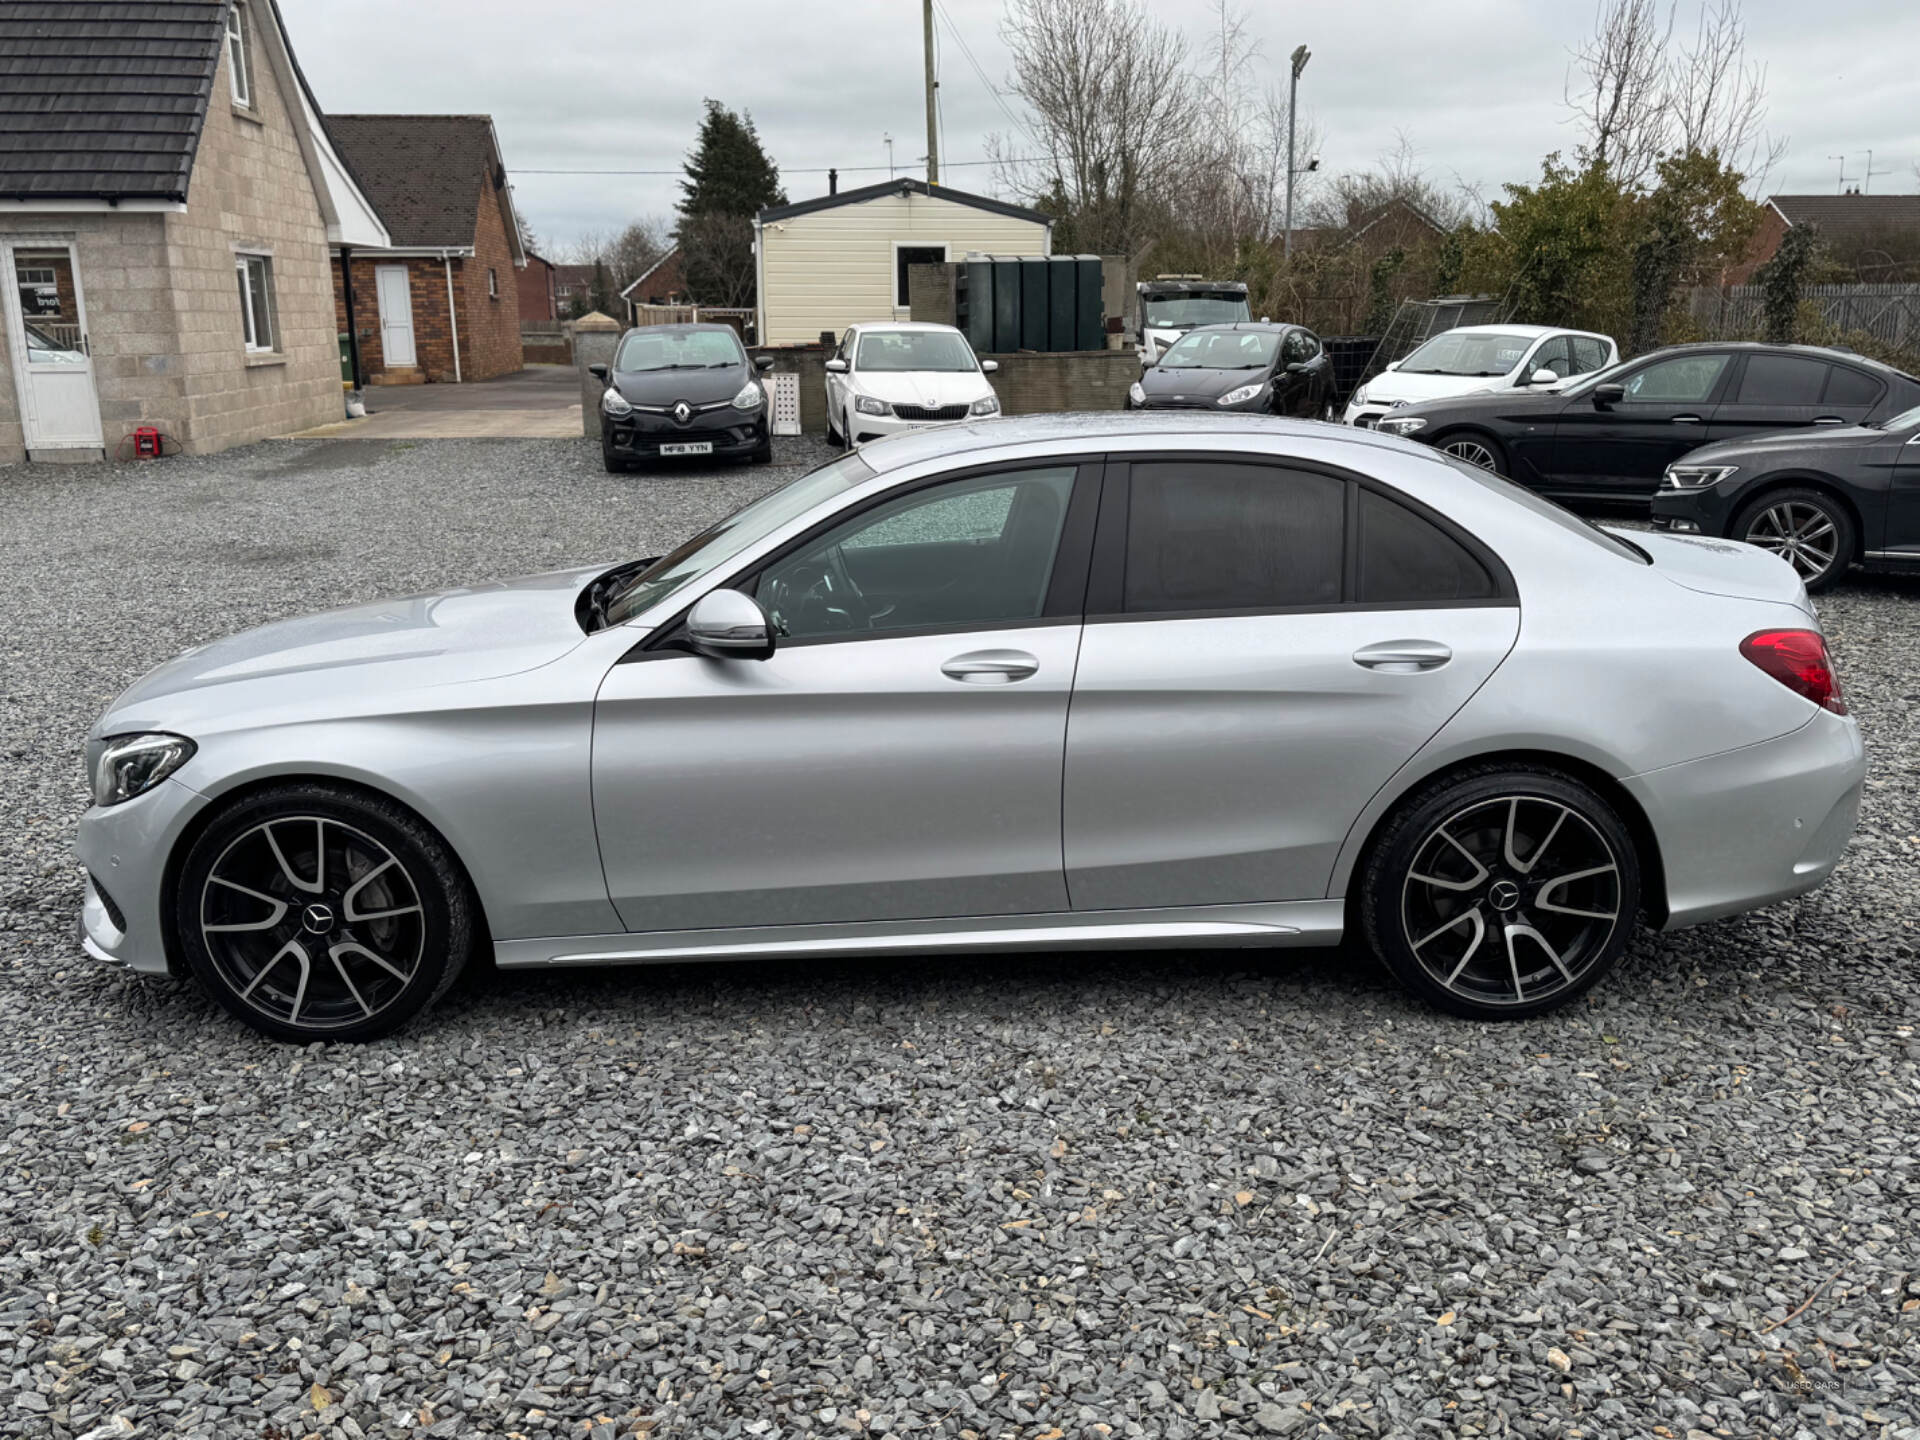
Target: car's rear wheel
(1811,531)
(318,913)
(1476,449)
(1501,893)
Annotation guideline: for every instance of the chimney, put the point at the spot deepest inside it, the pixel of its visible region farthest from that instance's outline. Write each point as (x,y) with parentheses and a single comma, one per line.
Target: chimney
(833,182)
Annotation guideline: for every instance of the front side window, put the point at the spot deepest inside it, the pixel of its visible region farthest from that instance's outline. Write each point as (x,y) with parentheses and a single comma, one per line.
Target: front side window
(648,350)
(1213,535)
(1552,356)
(960,554)
(1461,352)
(1683,380)
(900,351)
(239,64)
(255,274)
(1782,380)
(1298,347)
(1588,354)
(1222,350)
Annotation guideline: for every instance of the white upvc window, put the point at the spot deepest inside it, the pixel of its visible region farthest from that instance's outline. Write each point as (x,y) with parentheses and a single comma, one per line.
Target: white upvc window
(493,284)
(239,68)
(255,274)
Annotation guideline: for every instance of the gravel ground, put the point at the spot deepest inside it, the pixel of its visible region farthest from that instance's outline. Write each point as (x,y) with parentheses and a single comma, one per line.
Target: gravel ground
(1133,1194)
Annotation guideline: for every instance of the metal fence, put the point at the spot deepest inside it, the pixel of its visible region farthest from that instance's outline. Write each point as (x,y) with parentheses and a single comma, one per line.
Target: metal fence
(1418,321)
(1889,313)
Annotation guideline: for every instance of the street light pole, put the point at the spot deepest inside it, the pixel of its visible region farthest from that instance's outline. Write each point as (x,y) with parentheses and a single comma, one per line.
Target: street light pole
(1300,57)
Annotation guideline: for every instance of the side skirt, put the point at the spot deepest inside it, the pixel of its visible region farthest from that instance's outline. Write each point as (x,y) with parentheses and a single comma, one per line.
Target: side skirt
(1282,923)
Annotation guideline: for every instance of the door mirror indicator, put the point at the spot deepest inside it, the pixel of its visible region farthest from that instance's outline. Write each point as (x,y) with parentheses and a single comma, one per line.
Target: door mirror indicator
(836,366)
(729,625)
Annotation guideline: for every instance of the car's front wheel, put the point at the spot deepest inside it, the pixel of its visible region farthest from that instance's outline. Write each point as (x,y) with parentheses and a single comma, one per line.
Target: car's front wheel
(1503,892)
(320,913)
(1810,530)
(1476,449)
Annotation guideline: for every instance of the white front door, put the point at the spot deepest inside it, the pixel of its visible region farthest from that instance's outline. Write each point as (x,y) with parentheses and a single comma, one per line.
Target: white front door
(47,335)
(396,315)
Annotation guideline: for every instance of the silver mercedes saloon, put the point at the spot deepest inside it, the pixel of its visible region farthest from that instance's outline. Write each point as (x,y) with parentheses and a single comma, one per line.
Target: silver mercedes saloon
(1110,680)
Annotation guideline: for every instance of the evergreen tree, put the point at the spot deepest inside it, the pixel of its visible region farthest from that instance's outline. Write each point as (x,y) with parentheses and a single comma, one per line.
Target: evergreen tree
(728,177)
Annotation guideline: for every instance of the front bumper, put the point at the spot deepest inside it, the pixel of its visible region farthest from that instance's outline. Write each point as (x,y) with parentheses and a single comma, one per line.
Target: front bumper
(1365,414)
(729,431)
(125,849)
(878,427)
(1755,825)
(1704,511)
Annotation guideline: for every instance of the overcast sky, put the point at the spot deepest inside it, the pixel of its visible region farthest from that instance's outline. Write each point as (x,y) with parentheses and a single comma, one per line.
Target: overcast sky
(1476,85)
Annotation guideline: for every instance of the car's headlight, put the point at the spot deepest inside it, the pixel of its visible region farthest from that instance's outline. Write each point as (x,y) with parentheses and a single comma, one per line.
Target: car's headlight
(749,397)
(1697,477)
(1137,393)
(867,405)
(989,405)
(1242,395)
(612,402)
(1401,424)
(123,766)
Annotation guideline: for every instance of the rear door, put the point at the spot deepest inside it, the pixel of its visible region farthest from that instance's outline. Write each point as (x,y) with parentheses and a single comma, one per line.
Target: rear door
(1266,644)
(1902,540)
(1621,449)
(1784,391)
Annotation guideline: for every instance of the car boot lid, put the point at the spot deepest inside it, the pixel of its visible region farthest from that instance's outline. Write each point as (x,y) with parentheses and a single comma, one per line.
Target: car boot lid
(1710,566)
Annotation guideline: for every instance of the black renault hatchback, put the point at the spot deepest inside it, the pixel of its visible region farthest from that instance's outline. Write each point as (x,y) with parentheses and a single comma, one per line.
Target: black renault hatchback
(1271,369)
(676,390)
(1611,435)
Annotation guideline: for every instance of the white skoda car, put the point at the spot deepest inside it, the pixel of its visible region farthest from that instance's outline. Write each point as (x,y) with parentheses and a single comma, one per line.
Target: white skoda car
(903,375)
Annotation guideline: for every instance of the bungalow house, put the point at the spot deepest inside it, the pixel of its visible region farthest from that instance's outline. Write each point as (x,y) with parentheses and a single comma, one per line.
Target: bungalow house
(1875,238)
(829,263)
(441,300)
(168,194)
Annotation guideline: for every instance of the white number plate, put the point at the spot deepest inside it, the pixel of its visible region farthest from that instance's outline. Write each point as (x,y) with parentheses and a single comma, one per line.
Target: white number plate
(688,447)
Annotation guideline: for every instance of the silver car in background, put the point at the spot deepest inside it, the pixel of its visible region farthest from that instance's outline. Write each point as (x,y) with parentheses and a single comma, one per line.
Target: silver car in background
(1157,680)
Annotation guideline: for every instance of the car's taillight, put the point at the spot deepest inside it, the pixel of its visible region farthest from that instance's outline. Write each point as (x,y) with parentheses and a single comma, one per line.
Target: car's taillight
(1798,660)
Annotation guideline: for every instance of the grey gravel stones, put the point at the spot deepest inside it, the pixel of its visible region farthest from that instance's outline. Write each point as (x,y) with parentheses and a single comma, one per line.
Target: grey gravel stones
(1080,1196)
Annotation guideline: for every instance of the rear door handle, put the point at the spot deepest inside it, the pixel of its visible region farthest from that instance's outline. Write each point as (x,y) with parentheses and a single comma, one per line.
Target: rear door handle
(990,667)
(1686,419)
(1403,657)
(1828,420)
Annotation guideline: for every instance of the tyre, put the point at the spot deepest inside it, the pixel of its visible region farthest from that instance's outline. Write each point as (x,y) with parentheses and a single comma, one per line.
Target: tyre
(1809,529)
(834,437)
(763,452)
(318,913)
(1476,449)
(1503,892)
(616,464)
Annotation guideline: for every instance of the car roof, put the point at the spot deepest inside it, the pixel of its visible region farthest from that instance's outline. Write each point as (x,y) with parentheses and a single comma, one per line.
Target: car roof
(683,327)
(902,325)
(1756,347)
(1247,325)
(1118,429)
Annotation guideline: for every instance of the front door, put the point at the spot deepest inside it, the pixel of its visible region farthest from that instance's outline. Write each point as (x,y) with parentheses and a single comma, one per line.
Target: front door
(1249,679)
(898,757)
(47,338)
(1623,447)
(396,315)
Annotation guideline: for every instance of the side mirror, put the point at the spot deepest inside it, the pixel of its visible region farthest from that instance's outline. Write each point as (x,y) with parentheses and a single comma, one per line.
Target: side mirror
(1296,367)
(1608,394)
(763,362)
(599,372)
(836,366)
(1393,364)
(729,625)
(1544,377)
(988,367)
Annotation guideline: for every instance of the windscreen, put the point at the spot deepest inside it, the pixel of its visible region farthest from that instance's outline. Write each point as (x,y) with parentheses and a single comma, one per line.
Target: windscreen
(646,350)
(1222,350)
(1166,312)
(1460,352)
(893,351)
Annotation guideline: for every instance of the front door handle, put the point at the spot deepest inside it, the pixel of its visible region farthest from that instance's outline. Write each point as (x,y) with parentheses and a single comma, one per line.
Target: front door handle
(1403,657)
(1686,419)
(1828,420)
(991,667)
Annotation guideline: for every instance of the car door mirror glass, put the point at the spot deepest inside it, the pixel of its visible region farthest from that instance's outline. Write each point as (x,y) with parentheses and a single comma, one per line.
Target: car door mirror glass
(836,366)
(729,625)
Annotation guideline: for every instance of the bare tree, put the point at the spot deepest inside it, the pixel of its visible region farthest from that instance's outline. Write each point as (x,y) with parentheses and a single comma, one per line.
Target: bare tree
(726,242)
(1397,176)
(1718,98)
(1111,106)
(627,252)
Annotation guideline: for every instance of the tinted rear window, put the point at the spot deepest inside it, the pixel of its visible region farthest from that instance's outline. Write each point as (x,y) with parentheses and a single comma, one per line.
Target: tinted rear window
(1847,386)
(1406,559)
(1782,380)
(1218,536)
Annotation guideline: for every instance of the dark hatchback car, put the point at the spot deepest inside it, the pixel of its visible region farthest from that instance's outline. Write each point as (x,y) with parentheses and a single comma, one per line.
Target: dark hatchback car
(1611,435)
(1821,499)
(1270,369)
(678,390)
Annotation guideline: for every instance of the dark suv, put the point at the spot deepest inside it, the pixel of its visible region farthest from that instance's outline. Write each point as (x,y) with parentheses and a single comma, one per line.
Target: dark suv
(1611,435)
(677,390)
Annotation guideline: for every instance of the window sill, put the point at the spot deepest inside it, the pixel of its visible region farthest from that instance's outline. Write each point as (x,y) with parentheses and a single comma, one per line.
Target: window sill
(265,357)
(247,113)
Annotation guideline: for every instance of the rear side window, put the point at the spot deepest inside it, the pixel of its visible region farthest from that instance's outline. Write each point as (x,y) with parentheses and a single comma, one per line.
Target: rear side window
(1847,386)
(1406,559)
(1782,380)
(1218,536)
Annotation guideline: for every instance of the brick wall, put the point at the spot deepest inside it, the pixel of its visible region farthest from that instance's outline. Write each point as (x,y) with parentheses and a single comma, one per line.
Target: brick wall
(535,286)
(432,329)
(489,321)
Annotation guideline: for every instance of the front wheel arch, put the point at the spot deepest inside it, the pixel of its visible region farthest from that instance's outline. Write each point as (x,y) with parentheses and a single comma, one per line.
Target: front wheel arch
(1502,461)
(184,842)
(1772,484)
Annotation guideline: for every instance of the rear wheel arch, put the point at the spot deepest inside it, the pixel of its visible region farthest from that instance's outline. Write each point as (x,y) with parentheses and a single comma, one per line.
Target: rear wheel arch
(1653,875)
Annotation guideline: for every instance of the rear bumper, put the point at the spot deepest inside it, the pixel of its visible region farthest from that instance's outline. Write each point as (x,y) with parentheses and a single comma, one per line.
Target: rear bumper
(1755,825)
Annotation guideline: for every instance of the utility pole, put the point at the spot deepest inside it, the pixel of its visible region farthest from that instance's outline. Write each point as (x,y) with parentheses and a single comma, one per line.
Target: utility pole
(933,84)
(1300,57)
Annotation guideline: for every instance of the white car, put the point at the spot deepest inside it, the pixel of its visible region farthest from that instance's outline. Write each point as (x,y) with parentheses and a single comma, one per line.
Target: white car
(903,375)
(1477,358)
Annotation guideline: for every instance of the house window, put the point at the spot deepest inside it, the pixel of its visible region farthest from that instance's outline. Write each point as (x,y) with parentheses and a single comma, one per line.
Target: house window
(239,71)
(39,290)
(906,255)
(493,284)
(255,273)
